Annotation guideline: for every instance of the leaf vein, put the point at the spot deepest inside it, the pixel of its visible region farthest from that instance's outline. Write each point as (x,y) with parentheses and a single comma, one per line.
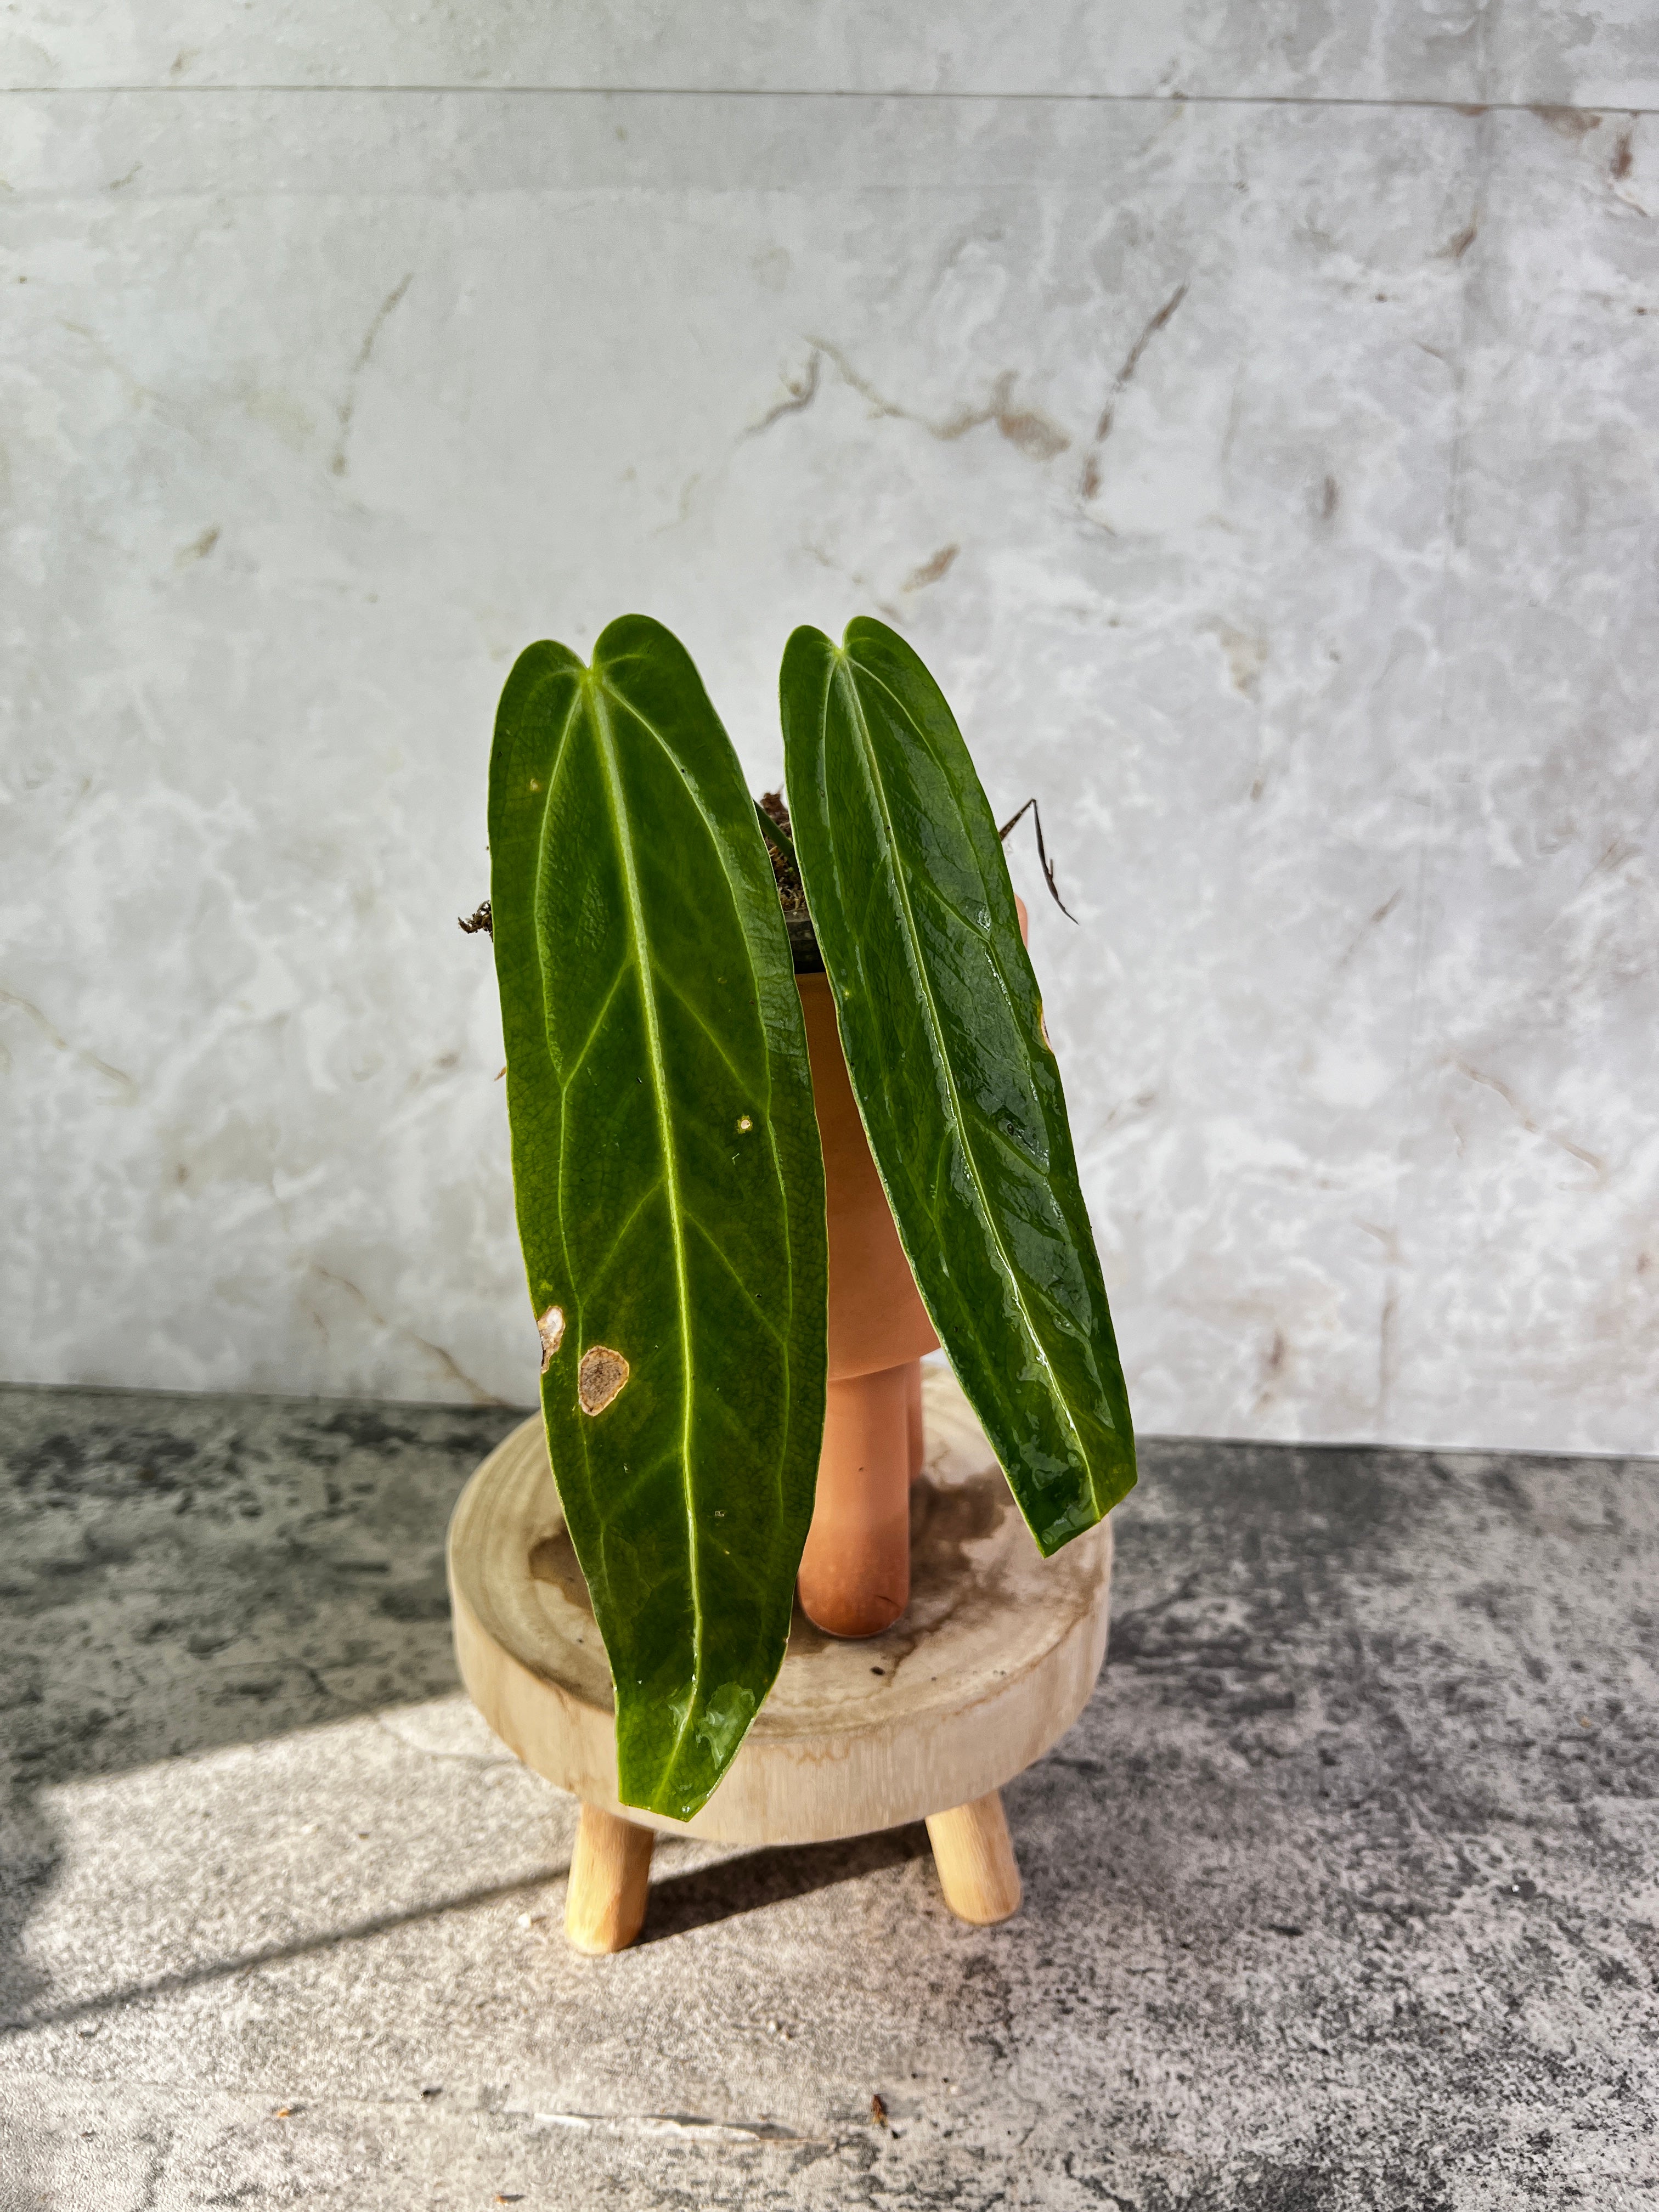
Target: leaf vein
(671,1174)
(748,1297)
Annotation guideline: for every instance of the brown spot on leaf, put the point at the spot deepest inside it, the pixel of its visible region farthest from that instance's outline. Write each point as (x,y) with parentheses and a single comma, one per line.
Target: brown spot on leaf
(1456,248)
(1621,167)
(599,1378)
(551,1327)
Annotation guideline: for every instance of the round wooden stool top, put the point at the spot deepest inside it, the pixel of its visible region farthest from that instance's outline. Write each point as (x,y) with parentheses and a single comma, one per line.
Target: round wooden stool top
(990,1664)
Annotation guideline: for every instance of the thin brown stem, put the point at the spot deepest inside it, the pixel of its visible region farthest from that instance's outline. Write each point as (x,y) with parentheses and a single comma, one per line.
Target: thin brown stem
(1031,808)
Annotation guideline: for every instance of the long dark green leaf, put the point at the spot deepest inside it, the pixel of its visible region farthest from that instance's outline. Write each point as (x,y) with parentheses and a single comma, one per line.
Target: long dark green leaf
(942,1027)
(669,1182)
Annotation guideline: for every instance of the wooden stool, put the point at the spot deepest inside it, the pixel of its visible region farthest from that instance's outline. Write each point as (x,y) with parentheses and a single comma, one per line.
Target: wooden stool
(993,1661)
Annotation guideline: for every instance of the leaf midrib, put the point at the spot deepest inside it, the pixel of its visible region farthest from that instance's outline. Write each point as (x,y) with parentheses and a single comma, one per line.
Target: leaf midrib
(768,1123)
(537,886)
(670,1171)
(845,664)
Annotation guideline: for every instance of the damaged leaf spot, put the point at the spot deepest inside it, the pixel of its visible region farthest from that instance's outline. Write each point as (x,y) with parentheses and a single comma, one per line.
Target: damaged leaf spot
(1042,1026)
(599,1378)
(551,1327)
(743,1124)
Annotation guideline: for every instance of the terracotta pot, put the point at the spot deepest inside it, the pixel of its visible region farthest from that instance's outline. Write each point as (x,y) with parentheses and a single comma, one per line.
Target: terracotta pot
(855,1571)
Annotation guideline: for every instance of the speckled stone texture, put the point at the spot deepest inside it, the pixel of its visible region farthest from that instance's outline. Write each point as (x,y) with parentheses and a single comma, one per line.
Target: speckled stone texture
(1343,1893)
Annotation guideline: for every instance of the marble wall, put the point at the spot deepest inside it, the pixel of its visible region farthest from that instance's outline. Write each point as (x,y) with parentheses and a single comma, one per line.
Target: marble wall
(1250,412)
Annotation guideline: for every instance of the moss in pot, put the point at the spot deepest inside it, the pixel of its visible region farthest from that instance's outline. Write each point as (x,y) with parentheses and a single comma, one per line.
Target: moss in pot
(710,1007)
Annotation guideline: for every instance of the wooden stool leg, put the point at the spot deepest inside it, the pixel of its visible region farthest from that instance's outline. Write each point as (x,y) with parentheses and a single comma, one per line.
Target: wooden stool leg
(977,1870)
(609,1874)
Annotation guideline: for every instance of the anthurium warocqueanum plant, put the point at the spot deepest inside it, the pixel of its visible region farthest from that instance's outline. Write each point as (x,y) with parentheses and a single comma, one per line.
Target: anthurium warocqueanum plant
(666,1158)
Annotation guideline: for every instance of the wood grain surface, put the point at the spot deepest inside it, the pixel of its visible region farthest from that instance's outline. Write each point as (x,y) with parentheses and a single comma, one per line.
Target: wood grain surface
(993,1661)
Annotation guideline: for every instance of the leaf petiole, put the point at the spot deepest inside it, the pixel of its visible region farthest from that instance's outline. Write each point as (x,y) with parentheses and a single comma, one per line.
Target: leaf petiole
(777,838)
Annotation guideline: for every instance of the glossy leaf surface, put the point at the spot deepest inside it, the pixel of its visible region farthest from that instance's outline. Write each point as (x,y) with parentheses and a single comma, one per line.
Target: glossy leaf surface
(668,1181)
(942,1027)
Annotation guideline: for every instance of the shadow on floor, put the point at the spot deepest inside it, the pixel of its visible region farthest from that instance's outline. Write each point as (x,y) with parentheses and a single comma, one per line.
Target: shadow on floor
(755,1880)
(180,1573)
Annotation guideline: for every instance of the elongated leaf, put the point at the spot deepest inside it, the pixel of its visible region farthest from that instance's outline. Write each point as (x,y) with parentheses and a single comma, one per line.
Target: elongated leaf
(669,1184)
(942,1027)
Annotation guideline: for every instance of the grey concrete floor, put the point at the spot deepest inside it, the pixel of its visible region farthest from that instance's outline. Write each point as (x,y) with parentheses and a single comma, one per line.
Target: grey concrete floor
(1343,1891)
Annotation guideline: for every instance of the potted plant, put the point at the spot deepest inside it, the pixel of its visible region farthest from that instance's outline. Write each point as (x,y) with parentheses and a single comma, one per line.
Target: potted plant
(783,1114)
